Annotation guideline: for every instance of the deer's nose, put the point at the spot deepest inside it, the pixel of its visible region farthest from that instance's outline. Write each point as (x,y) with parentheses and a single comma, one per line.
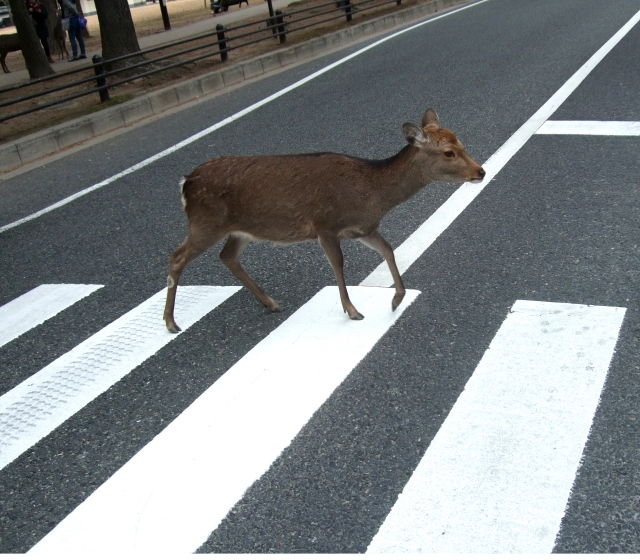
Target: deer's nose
(480,176)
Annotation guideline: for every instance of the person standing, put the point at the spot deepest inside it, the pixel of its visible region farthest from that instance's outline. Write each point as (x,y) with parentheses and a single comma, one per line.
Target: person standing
(70,10)
(39,15)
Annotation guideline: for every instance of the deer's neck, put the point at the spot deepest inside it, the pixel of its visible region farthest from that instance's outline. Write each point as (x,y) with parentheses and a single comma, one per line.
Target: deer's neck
(399,177)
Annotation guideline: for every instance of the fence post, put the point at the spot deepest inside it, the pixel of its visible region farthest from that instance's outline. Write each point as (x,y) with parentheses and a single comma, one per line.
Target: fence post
(281,29)
(271,20)
(270,6)
(165,15)
(98,67)
(224,55)
(347,8)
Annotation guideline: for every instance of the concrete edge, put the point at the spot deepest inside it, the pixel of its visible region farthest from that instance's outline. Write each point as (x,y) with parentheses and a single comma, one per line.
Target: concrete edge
(38,145)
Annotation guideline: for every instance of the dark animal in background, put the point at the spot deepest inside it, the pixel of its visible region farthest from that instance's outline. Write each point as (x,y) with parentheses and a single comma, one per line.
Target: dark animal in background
(8,43)
(223,5)
(60,38)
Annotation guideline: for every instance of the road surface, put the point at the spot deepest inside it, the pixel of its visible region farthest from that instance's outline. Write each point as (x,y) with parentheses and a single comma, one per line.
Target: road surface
(495,411)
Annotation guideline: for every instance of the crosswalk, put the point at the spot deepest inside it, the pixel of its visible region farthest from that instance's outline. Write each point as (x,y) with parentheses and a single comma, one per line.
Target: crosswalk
(173,494)
(497,476)
(503,462)
(45,400)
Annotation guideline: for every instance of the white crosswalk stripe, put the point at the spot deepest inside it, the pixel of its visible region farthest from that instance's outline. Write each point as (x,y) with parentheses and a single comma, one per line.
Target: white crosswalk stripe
(42,402)
(497,476)
(36,306)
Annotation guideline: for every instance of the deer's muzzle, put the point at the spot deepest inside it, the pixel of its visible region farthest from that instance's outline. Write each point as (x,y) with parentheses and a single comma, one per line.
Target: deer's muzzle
(480,177)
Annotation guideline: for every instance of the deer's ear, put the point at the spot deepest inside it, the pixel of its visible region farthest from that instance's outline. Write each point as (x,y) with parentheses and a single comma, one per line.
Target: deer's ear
(430,117)
(414,135)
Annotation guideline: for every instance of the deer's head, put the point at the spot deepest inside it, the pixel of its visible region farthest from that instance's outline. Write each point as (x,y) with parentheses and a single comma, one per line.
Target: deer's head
(444,155)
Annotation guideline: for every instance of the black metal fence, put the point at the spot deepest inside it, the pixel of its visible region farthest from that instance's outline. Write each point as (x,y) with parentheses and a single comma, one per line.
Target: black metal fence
(107,74)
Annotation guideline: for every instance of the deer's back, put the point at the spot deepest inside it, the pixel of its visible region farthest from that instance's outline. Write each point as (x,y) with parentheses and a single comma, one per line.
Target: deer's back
(10,42)
(284,198)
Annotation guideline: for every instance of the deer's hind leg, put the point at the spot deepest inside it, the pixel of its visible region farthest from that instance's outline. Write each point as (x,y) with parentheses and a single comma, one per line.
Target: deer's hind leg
(180,258)
(380,244)
(3,57)
(230,257)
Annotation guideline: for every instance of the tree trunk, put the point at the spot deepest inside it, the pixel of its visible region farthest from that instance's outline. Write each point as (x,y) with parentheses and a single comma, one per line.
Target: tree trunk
(117,32)
(52,10)
(32,50)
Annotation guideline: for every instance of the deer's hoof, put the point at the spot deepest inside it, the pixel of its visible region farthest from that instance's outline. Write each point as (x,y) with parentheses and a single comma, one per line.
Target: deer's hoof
(356,316)
(173,328)
(397,300)
(272,306)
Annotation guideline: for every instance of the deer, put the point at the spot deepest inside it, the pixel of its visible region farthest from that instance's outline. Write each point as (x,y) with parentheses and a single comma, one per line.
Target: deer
(294,198)
(8,43)
(59,38)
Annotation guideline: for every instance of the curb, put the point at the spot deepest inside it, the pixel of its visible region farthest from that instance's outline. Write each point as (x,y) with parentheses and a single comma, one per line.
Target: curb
(60,137)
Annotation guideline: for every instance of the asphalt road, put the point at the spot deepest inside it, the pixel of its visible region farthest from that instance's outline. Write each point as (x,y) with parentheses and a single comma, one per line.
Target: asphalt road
(558,223)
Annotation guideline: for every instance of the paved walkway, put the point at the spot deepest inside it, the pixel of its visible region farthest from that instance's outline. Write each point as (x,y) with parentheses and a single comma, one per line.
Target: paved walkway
(234,15)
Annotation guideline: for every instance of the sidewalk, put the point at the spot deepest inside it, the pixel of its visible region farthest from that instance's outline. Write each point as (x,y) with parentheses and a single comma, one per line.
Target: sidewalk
(35,147)
(234,15)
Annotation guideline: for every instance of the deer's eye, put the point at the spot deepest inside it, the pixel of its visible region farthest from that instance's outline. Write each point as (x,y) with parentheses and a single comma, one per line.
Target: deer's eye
(449,153)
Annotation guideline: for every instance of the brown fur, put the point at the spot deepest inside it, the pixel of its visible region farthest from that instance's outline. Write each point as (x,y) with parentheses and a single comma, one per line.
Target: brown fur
(59,38)
(8,43)
(325,196)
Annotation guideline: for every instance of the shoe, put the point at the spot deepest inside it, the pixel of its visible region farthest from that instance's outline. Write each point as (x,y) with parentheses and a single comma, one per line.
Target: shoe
(51,61)
(83,56)
(72,59)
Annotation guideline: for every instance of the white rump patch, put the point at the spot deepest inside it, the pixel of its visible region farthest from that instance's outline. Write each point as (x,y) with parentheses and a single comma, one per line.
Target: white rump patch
(184,200)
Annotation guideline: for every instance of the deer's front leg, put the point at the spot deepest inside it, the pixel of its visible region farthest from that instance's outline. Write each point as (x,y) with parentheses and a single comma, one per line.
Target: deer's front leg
(380,244)
(331,246)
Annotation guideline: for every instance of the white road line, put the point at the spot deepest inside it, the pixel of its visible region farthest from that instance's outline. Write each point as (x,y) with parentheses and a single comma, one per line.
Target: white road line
(420,240)
(35,307)
(498,474)
(224,122)
(591,128)
(37,406)
(170,496)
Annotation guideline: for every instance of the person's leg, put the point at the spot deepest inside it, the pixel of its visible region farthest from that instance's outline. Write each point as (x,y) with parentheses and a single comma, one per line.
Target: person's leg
(81,43)
(45,46)
(72,40)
